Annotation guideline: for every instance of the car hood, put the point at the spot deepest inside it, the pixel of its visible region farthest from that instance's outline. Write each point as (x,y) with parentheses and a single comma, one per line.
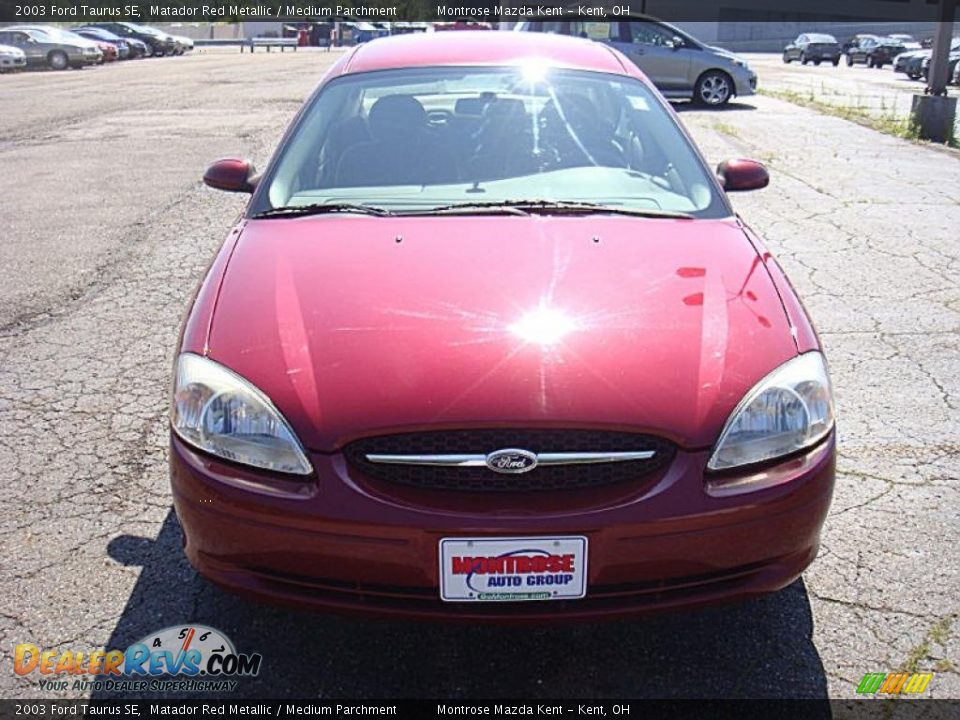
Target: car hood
(359,326)
(723,52)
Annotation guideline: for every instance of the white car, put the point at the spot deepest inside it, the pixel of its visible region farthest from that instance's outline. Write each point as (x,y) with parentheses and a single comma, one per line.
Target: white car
(12,58)
(185,43)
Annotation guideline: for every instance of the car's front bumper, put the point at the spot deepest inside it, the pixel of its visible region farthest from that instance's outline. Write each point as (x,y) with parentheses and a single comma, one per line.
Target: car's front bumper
(12,62)
(338,542)
(745,81)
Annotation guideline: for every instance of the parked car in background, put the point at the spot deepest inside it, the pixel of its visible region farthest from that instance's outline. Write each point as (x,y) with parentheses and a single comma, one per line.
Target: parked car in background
(915,64)
(813,47)
(138,48)
(874,52)
(12,58)
(109,51)
(952,60)
(855,41)
(65,36)
(160,44)
(910,63)
(681,67)
(43,49)
(125,50)
(908,41)
(185,43)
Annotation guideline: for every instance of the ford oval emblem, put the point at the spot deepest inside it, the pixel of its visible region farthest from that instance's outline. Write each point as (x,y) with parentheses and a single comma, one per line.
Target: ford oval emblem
(511,461)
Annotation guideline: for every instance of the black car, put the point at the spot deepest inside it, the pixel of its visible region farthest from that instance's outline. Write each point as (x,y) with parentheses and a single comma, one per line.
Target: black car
(855,40)
(875,51)
(813,47)
(160,43)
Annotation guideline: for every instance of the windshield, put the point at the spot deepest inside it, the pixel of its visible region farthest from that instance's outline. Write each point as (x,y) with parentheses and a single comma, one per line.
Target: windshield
(817,38)
(417,140)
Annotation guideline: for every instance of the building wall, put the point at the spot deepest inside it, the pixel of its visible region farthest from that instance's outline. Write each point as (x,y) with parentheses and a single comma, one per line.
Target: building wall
(767,25)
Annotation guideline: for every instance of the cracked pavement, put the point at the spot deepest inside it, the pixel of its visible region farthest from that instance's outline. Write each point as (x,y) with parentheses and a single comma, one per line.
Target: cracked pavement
(95,276)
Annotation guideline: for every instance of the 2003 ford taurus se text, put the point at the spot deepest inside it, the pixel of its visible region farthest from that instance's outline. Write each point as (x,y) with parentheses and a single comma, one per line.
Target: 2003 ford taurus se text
(490,332)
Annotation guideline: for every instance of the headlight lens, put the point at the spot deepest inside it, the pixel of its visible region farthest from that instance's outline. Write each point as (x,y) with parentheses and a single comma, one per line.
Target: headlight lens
(789,410)
(217,411)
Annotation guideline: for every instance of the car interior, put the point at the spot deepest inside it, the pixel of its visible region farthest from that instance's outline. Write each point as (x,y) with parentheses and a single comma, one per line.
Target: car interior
(402,139)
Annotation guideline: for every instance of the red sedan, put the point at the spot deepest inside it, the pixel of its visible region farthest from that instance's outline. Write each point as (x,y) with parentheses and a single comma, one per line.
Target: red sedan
(109,52)
(491,343)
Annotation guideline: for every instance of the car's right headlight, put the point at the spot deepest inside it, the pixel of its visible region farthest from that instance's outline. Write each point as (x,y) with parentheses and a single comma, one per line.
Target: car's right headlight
(789,410)
(221,413)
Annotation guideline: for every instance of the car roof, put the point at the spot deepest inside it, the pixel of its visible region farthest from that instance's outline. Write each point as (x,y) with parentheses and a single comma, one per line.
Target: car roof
(482,48)
(33,31)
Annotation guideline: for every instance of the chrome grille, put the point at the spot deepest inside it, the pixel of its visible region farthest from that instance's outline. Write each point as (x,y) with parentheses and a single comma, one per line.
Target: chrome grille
(452,459)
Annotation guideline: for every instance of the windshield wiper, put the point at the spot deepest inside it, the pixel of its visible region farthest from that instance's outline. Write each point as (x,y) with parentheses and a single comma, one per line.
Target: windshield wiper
(321,209)
(528,207)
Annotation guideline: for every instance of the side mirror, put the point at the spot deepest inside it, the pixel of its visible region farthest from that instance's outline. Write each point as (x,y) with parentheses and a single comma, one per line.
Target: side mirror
(232,175)
(676,42)
(740,175)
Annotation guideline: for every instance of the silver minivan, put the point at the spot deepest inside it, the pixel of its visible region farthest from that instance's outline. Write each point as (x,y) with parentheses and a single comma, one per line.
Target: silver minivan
(679,65)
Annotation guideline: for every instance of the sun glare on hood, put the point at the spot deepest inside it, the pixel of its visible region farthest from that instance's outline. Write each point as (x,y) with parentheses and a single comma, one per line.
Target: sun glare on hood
(543,326)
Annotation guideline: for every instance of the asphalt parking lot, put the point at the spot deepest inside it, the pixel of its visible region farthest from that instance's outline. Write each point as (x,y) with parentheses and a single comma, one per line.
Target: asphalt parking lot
(877,94)
(107,228)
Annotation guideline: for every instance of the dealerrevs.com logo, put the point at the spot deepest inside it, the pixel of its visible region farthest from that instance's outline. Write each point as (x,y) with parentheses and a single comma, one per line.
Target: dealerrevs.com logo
(176,659)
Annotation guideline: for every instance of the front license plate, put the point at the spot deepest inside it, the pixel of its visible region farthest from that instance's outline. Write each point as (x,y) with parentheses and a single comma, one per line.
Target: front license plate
(513,569)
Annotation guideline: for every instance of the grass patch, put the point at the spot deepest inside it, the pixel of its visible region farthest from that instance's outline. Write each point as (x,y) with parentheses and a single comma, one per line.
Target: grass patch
(885,121)
(916,654)
(727,129)
(943,666)
(939,634)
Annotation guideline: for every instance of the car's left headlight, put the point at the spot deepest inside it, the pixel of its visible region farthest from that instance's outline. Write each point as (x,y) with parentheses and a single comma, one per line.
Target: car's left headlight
(217,411)
(789,410)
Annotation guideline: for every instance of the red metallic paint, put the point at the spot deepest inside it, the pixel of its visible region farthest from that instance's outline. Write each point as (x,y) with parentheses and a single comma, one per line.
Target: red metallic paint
(353,333)
(339,544)
(230,174)
(472,49)
(375,336)
(109,51)
(196,324)
(740,175)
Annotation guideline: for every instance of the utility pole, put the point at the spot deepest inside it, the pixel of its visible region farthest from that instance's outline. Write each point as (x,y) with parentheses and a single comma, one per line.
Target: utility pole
(937,77)
(934,114)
